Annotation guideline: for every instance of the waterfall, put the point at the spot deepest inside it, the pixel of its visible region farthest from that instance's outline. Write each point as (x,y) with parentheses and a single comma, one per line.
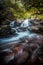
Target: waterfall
(26,23)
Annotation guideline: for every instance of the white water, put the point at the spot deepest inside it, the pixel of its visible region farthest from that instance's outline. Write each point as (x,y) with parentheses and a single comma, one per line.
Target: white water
(9,39)
(26,23)
(20,34)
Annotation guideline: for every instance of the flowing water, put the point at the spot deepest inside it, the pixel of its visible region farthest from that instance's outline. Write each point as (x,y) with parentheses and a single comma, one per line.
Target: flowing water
(19,35)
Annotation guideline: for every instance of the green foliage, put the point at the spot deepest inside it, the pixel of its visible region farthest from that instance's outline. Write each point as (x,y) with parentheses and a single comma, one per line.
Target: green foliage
(20,9)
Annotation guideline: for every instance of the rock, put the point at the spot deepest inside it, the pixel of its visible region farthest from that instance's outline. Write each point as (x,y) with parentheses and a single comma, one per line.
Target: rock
(23,57)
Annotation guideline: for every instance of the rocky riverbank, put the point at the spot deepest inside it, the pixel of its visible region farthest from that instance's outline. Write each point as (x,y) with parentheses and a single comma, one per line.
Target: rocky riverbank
(29,51)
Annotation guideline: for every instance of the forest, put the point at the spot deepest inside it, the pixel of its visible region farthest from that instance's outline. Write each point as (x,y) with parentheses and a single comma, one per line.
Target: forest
(20,9)
(21,32)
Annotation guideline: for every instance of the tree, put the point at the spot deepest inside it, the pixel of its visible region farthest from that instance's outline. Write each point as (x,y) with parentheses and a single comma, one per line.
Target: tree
(14,9)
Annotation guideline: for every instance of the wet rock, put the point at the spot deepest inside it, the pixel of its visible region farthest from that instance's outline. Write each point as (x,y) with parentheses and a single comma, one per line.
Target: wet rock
(23,57)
